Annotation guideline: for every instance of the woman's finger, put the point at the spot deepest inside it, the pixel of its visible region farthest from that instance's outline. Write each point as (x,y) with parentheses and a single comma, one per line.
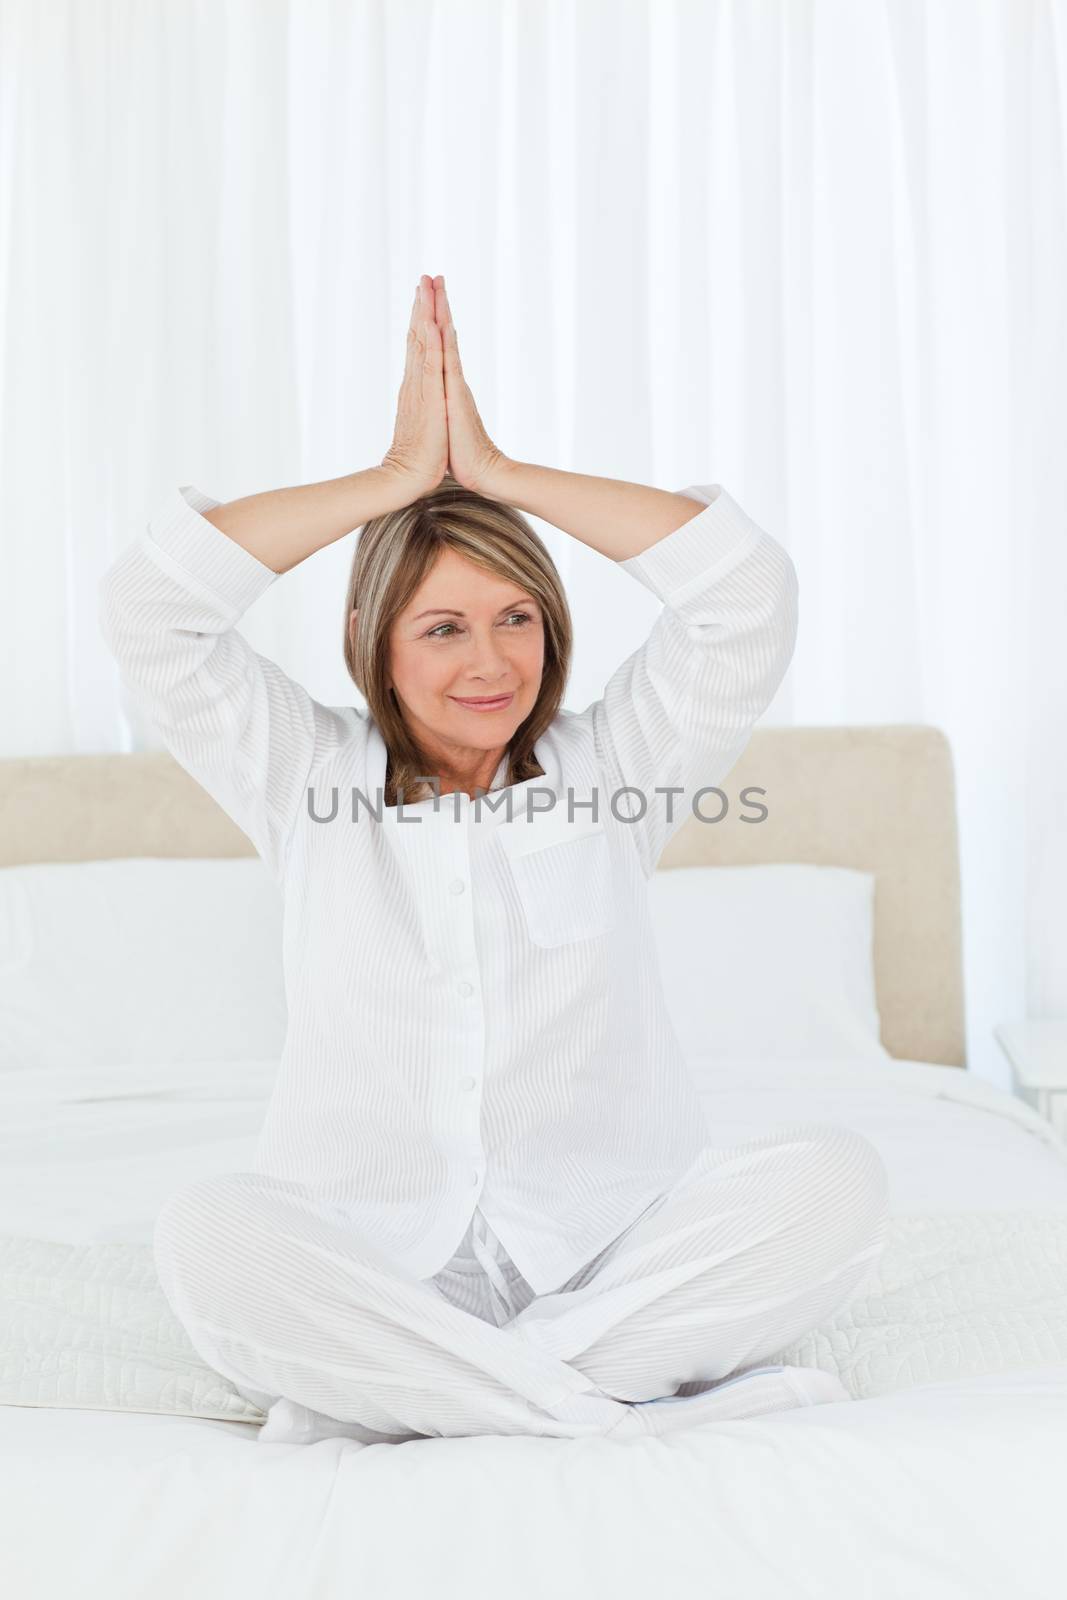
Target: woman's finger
(431,335)
(411,343)
(448,335)
(426,308)
(444,310)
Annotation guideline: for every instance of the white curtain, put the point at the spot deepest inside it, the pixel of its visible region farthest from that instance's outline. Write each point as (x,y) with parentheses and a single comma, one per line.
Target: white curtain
(811,249)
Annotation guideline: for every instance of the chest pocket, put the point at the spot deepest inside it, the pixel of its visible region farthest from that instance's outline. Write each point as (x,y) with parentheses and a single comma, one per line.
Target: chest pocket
(562,875)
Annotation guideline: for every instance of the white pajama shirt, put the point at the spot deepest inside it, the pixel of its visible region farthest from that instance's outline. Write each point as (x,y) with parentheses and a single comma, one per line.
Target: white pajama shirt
(476,1021)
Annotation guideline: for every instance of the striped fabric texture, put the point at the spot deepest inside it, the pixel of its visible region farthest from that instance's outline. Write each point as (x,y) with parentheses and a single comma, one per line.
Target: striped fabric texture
(476,1017)
(754,1245)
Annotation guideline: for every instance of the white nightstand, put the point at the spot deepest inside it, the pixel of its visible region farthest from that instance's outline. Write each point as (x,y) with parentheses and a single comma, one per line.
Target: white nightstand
(1038,1055)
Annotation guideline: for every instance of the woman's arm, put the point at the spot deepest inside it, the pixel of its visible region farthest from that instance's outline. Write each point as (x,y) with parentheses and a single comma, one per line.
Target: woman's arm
(282,527)
(618,518)
(678,712)
(248,734)
(169,605)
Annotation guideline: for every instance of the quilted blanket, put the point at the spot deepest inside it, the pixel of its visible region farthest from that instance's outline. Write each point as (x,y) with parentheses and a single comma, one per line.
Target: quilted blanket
(87,1326)
(949,1297)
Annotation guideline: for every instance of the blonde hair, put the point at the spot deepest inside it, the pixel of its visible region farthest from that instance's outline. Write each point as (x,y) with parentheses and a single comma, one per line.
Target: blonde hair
(393,555)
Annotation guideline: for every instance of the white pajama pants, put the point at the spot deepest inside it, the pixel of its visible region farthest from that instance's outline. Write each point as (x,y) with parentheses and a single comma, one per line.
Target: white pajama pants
(750,1248)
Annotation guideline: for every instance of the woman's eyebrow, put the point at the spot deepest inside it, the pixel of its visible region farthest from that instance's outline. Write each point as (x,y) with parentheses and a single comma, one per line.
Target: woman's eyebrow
(523,600)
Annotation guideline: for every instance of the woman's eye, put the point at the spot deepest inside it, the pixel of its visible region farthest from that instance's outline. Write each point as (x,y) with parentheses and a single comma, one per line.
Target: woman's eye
(439,633)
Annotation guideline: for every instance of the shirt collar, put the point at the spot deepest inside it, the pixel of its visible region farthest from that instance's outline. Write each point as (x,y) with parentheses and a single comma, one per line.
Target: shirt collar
(545,753)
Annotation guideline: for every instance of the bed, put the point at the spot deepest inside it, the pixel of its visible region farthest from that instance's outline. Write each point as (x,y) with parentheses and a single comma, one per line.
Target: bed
(129,1469)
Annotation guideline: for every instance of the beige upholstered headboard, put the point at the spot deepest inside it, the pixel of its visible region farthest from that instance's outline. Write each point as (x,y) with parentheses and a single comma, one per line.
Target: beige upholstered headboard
(881,799)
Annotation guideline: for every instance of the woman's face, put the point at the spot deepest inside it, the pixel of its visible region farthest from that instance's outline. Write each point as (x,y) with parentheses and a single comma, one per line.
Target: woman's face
(466,634)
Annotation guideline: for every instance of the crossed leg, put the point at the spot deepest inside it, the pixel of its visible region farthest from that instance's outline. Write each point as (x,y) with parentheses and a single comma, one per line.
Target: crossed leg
(752,1247)
(283,1301)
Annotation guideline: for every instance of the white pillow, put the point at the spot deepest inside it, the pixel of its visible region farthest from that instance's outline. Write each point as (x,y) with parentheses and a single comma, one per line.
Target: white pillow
(140,960)
(770,960)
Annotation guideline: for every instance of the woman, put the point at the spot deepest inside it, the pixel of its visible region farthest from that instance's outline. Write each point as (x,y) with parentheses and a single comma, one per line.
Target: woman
(482,1199)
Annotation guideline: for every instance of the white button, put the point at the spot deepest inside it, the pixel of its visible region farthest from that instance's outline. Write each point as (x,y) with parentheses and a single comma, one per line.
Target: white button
(468,1082)
(457,886)
(476,1179)
(465,987)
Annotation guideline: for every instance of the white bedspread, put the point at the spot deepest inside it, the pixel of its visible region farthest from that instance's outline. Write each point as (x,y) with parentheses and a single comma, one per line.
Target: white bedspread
(946,1481)
(947,1493)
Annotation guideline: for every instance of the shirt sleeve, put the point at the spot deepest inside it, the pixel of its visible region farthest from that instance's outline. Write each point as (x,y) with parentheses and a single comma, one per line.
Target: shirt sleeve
(680,710)
(245,731)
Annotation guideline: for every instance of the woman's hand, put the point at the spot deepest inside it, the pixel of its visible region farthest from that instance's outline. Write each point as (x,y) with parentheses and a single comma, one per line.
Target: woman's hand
(418,455)
(473,459)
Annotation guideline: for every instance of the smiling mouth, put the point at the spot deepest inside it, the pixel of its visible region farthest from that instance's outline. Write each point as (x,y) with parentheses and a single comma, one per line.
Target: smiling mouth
(496,703)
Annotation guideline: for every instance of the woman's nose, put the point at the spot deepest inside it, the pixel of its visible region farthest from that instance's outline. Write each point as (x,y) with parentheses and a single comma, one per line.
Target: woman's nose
(489,657)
